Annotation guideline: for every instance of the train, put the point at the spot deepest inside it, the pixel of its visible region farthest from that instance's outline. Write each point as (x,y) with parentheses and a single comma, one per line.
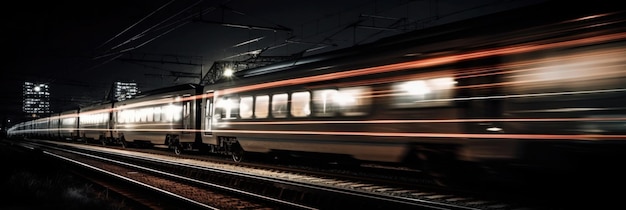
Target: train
(540,87)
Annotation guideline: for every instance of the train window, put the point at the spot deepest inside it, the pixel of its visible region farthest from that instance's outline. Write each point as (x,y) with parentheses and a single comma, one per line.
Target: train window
(148,114)
(300,104)
(227,108)
(354,101)
(324,104)
(187,114)
(122,116)
(69,121)
(144,115)
(423,93)
(164,115)
(119,117)
(177,112)
(157,114)
(261,106)
(126,116)
(187,109)
(579,69)
(171,113)
(279,105)
(208,116)
(136,116)
(245,107)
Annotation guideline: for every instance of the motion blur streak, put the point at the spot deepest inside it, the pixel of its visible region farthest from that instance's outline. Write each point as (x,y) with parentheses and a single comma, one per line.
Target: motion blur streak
(537,137)
(431,121)
(429,62)
(588,137)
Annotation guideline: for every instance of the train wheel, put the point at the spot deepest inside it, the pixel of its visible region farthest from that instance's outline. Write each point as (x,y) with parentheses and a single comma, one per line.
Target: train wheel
(177,149)
(237,153)
(173,143)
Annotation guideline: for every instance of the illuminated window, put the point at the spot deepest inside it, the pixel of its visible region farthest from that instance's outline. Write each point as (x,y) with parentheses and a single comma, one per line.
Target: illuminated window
(354,101)
(423,93)
(157,114)
(324,102)
(171,113)
(208,115)
(144,115)
(300,104)
(150,114)
(279,105)
(261,106)
(137,115)
(577,69)
(245,107)
(69,121)
(227,108)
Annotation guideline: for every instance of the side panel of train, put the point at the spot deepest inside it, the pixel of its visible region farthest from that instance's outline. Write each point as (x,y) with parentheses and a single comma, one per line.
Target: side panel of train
(94,123)
(40,128)
(53,129)
(17,131)
(159,119)
(366,118)
(68,125)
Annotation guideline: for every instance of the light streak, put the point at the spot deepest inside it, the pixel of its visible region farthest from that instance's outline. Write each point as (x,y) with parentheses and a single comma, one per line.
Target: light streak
(428,62)
(430,121)
(440,135)
(467,136)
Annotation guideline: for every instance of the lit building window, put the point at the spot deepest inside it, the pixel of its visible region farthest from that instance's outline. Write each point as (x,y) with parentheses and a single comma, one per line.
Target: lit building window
(125,90)
(36,98)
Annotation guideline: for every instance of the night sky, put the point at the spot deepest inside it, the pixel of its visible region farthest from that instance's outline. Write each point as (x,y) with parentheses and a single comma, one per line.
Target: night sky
(81,47)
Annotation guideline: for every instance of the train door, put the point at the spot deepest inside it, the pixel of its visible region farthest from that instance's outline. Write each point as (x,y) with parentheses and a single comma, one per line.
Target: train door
(111,122)
(188,124)
(187,115)
(482,82)
(207,118)
(484,99)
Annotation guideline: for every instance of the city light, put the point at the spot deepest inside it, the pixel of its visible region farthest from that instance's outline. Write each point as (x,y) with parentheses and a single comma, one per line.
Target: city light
(125,90)
(36,98)
(228,72)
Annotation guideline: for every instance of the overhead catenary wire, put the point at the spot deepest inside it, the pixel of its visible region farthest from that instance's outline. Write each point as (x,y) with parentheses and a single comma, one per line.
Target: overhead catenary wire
(133,25)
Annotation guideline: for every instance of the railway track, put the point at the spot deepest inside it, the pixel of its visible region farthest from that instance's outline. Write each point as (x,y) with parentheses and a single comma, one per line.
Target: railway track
(271,187)
(153,188)
(276,186)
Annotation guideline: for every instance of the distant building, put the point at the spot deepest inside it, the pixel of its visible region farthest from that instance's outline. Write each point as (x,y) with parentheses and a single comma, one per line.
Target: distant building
(36,98)
(124,90)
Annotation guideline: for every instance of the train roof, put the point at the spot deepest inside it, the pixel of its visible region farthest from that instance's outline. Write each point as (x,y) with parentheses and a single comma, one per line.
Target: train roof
(500,22)
(175,88)
(99,103)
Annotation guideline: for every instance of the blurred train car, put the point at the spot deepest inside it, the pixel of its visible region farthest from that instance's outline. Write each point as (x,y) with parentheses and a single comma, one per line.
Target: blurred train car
(539,88)
(68,125)
(40,127)
(53,126)
(94,123)
(165,116)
